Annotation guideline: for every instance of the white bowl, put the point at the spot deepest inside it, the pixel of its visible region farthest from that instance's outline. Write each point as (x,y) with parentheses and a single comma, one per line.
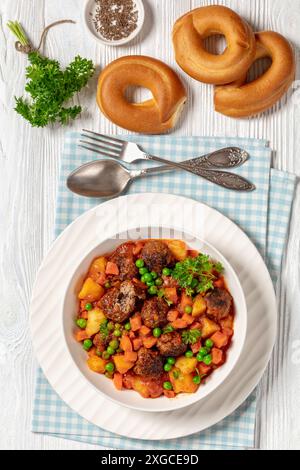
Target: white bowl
(130,398)
(89,8)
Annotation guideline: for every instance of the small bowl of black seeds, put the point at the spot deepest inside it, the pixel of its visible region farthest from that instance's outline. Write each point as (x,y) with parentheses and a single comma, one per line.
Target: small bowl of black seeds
(114,22)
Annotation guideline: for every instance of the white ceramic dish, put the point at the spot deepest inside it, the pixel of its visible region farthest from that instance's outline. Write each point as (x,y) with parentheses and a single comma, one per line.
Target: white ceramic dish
(89,10)
(125,214)
(131,398)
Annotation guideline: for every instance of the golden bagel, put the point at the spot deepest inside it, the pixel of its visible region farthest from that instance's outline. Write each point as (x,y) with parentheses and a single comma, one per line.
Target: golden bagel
(241,99)
(154,116)
(193,28)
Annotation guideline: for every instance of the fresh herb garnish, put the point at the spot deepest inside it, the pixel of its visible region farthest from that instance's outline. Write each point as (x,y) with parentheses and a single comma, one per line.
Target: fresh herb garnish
(50,87)
(168,329)
(104,330)
(161,294)
(196,274)
(190,336)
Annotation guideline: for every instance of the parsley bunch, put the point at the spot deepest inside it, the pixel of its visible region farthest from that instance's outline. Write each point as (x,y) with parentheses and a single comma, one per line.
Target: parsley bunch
(196,274)
(190,336)
(50,87)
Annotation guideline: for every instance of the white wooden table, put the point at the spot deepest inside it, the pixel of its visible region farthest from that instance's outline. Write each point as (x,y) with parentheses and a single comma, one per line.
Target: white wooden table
(28,174)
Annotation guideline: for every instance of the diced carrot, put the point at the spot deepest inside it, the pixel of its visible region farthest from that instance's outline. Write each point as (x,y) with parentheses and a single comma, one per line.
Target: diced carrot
(185,301)
(193,253)
(118,380)
(172,315)
(196,326)
(137,343)
(131,334)
(130,356)
(171,294)
(92,352)
(219,283)
(136,322)
(220,339)
(196,347)
(101,279)
(227,322)
(81,335)
(149,342)
(217,356)
(203,368)
(84,315)
(126,344)
(169,393)
(179,323)
(228,332)
(137,248)
(111,268)
(188,318)
(139,283)
(82,304)
(144,330)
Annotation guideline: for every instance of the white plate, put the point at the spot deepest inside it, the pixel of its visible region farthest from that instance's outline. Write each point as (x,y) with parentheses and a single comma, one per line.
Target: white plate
(127,213)
(90,8)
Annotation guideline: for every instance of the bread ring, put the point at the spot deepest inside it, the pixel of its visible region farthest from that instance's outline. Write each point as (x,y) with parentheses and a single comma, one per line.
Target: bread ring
(154,116)
(241,99)
(189,33)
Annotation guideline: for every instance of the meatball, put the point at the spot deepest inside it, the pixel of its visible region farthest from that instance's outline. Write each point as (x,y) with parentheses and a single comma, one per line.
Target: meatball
(170,344)
(218,303)
(123,257)
(119,302)
(154,312)
(156,255)
(149,363)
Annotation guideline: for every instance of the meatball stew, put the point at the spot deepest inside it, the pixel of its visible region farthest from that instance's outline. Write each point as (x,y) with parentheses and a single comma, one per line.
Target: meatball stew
(155,317)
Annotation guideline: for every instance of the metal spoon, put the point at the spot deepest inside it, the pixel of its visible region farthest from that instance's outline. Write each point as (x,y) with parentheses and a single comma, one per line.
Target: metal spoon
(108,178)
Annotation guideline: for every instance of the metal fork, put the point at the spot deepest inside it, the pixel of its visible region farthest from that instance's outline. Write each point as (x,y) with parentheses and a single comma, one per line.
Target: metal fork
(203,166)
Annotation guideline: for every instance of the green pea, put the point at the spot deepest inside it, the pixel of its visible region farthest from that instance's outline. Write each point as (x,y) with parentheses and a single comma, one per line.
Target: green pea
(110,350)
(194,283)
(207,359)
(139,263)
(158,281)
(143,271)
(175,374)
(143,279)
(147,277)
(152,290)
(117,326)
(150,283)
(114,343)
(87,344)
(171,360)
(197,379)
(166,271)
(156,332)
(203,351)
(105,355)
(209,343)
(107,285)
(153,274)
(110,326)
(110,367)
(117,333)
(88,306)
(188,309)
(189,354)
(127,326)
(167,386)
(81,322)
(167,367)
(200,357)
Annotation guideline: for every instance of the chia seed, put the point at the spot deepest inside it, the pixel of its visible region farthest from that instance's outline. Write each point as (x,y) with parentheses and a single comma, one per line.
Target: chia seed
(115,19)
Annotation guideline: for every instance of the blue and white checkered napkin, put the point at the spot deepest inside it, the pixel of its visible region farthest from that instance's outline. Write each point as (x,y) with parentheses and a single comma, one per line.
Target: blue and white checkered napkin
(264,215)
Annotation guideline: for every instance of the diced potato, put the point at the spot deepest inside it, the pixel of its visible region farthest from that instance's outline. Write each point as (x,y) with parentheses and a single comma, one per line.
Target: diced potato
(141,387)
(178,248)
(96,364)
(186,365)
(227,322)
(122,365)
(91,290)
(183,382)
(208,327)
(95,317)
(98,265)
(199,306)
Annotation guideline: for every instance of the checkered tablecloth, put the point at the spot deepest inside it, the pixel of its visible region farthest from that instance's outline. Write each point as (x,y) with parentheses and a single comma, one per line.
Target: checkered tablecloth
(264,215)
